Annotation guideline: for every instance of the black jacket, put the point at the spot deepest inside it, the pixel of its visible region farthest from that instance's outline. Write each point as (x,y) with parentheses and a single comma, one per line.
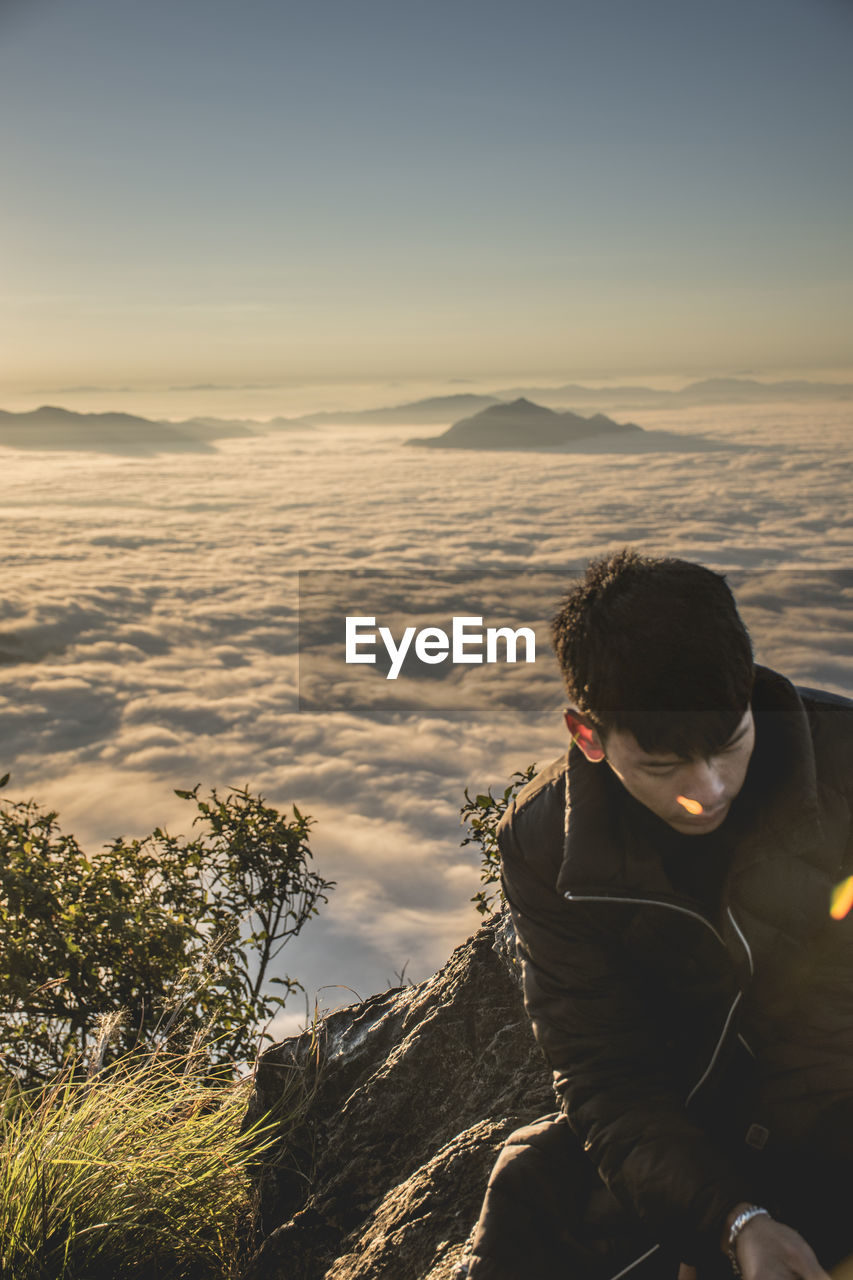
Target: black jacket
(677,1033)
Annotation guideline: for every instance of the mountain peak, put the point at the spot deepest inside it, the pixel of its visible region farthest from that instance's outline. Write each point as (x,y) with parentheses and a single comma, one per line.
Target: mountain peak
(521,405)
(521,424)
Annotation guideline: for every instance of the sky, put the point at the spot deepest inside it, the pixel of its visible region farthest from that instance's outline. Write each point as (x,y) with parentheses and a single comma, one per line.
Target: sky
(280,196)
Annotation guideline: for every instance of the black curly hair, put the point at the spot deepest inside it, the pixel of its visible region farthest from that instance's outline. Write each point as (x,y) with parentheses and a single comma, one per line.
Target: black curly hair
(656,646)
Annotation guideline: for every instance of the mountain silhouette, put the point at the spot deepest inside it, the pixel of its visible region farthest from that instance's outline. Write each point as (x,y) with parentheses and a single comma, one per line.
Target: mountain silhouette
(432,410)
(521,424)
(52,428)
(709,391)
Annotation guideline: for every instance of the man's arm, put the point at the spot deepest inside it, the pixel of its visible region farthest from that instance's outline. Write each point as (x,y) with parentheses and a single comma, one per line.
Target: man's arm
(768,1250)
(620,1095)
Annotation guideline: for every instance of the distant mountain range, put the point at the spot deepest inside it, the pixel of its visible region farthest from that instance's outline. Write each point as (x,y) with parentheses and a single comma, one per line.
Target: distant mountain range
(52,428)
(438,409)
(709,391)
(521,425)
(430,412)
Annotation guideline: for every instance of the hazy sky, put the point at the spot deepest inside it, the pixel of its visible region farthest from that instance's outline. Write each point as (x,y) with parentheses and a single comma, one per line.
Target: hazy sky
(274,193)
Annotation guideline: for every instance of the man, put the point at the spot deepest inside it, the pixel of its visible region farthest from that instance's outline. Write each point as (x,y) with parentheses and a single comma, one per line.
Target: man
(671,883)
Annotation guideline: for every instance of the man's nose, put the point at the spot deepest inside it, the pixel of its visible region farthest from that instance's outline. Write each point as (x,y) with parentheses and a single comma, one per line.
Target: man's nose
(704,783)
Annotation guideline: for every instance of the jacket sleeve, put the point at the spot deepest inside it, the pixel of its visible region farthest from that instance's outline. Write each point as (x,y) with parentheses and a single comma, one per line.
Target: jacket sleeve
(609,1062)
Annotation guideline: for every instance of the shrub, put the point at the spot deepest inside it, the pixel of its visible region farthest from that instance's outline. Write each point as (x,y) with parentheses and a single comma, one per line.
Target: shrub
(176,933)
(481,817)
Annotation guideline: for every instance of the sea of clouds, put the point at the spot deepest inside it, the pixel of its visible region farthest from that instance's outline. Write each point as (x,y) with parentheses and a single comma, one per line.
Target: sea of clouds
(149,627)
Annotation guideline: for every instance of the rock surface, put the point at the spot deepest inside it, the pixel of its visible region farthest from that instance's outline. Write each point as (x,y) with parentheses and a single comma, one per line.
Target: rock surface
(415,1090)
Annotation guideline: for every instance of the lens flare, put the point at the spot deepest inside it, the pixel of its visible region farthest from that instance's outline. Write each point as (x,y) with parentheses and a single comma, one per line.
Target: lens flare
(692,806)
(842,899)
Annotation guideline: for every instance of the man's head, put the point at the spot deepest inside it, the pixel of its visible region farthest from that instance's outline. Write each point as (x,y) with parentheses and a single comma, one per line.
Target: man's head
(658,667)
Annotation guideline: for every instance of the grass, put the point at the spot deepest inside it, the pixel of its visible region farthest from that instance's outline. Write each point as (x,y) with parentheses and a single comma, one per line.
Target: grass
(139,1170)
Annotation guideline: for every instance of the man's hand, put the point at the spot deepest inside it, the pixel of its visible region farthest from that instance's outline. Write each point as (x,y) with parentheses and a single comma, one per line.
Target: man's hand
(768,1250)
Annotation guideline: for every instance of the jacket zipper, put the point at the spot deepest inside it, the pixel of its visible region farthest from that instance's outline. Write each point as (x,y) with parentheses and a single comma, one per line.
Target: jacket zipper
(746,947)
(653,902)
(657,902)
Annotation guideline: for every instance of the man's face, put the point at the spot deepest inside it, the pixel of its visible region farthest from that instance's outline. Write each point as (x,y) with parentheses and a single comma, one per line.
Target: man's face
(692,796)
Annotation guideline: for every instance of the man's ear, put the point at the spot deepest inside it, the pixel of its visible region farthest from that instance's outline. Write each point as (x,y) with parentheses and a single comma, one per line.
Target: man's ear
(584,736)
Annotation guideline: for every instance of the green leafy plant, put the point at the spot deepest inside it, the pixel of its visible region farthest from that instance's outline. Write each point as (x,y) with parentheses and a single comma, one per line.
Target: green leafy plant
(480,816)
(137,1170)
(177,933)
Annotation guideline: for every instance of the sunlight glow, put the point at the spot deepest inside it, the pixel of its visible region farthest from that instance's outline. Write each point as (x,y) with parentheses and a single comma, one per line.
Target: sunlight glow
(842,899)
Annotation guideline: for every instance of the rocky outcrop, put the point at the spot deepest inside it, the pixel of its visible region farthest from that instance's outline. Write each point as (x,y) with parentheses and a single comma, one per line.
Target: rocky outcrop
(413,1092)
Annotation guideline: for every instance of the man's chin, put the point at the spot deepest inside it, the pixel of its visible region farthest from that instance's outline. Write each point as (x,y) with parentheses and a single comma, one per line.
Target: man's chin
(700,824)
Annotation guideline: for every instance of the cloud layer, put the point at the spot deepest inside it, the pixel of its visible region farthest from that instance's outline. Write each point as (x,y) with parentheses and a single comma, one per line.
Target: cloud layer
(149,622)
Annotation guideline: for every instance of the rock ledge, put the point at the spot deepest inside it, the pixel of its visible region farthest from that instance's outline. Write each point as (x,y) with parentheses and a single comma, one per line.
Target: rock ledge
(414,1091)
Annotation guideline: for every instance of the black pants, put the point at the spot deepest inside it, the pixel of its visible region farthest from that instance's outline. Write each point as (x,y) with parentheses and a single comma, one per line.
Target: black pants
(547,1215)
